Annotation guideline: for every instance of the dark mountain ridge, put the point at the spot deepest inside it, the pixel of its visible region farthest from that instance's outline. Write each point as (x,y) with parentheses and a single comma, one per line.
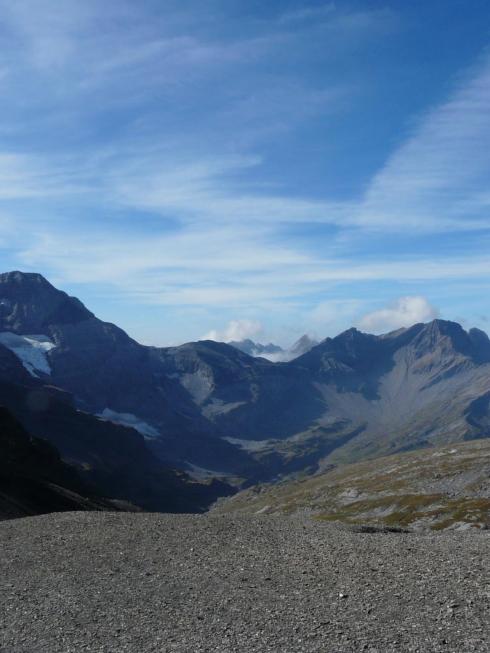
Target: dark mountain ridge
(29,304)
(33,478)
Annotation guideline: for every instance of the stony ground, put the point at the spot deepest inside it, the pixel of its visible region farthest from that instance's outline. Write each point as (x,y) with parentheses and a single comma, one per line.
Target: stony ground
(118,582)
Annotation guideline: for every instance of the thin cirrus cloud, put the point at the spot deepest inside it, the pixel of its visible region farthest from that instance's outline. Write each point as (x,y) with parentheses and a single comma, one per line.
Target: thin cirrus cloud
(150,159)
(308,13)
(436,179)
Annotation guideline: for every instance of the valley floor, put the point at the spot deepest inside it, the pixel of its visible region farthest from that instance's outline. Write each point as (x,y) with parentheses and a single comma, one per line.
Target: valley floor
(118,582)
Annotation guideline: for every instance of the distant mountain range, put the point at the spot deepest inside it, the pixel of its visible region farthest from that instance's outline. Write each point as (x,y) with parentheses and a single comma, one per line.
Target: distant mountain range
(126,416)
(273,352)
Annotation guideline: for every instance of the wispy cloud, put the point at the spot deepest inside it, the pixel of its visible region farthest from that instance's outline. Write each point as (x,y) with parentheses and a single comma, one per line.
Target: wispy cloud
(25,176)
(307,13)
(212,190)
(436,180)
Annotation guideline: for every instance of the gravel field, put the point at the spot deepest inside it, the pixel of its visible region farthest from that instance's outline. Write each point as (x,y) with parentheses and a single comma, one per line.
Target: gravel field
(146,582)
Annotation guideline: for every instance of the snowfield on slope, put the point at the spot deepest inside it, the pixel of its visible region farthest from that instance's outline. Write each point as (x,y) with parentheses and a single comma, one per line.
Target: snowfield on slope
(130,420)
(30,350)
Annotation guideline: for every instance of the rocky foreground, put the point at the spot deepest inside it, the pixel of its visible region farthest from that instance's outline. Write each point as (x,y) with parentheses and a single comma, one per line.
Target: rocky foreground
(118,582)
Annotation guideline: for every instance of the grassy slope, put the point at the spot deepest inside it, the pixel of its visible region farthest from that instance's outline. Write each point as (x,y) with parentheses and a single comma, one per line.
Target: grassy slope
(446,487)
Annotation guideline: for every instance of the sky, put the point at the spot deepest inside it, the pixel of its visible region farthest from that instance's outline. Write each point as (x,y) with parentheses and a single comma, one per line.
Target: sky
(240,168)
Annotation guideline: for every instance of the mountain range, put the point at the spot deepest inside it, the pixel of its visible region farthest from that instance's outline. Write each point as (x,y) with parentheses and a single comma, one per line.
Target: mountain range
(275,353)
(173,428)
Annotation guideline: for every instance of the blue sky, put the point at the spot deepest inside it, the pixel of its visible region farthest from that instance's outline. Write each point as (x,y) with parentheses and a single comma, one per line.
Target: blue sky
(239,168)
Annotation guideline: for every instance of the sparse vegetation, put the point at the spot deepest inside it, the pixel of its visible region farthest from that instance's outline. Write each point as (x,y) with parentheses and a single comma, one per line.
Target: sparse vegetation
(435,489)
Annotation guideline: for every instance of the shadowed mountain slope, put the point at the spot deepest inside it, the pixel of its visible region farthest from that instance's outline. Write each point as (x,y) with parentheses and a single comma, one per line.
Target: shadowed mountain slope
(34,480)
(107,460)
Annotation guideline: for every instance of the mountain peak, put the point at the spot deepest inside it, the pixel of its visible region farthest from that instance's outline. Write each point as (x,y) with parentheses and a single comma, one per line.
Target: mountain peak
(255,348)
(451,337)
(302,345)
(438,329)
(478,334)
(29,304)
(24,278)
(445,326)
(481,342)
(352,335)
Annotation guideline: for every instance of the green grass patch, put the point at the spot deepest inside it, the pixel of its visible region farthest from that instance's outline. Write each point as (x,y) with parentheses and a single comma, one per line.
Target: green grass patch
(408,509)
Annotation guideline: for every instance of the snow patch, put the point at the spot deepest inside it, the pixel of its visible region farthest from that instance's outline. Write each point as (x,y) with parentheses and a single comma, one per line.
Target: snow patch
(30,350)
(262,510)
(128,419)
(438,454)
(203,474)
(218,407)
(250,445)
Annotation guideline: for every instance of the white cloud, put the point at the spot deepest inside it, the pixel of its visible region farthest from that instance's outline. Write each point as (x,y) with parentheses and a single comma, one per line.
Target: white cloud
(404,312)
(235,331)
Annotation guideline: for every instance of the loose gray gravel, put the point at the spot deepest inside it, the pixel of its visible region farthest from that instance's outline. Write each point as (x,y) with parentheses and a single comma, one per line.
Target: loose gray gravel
(118,582)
